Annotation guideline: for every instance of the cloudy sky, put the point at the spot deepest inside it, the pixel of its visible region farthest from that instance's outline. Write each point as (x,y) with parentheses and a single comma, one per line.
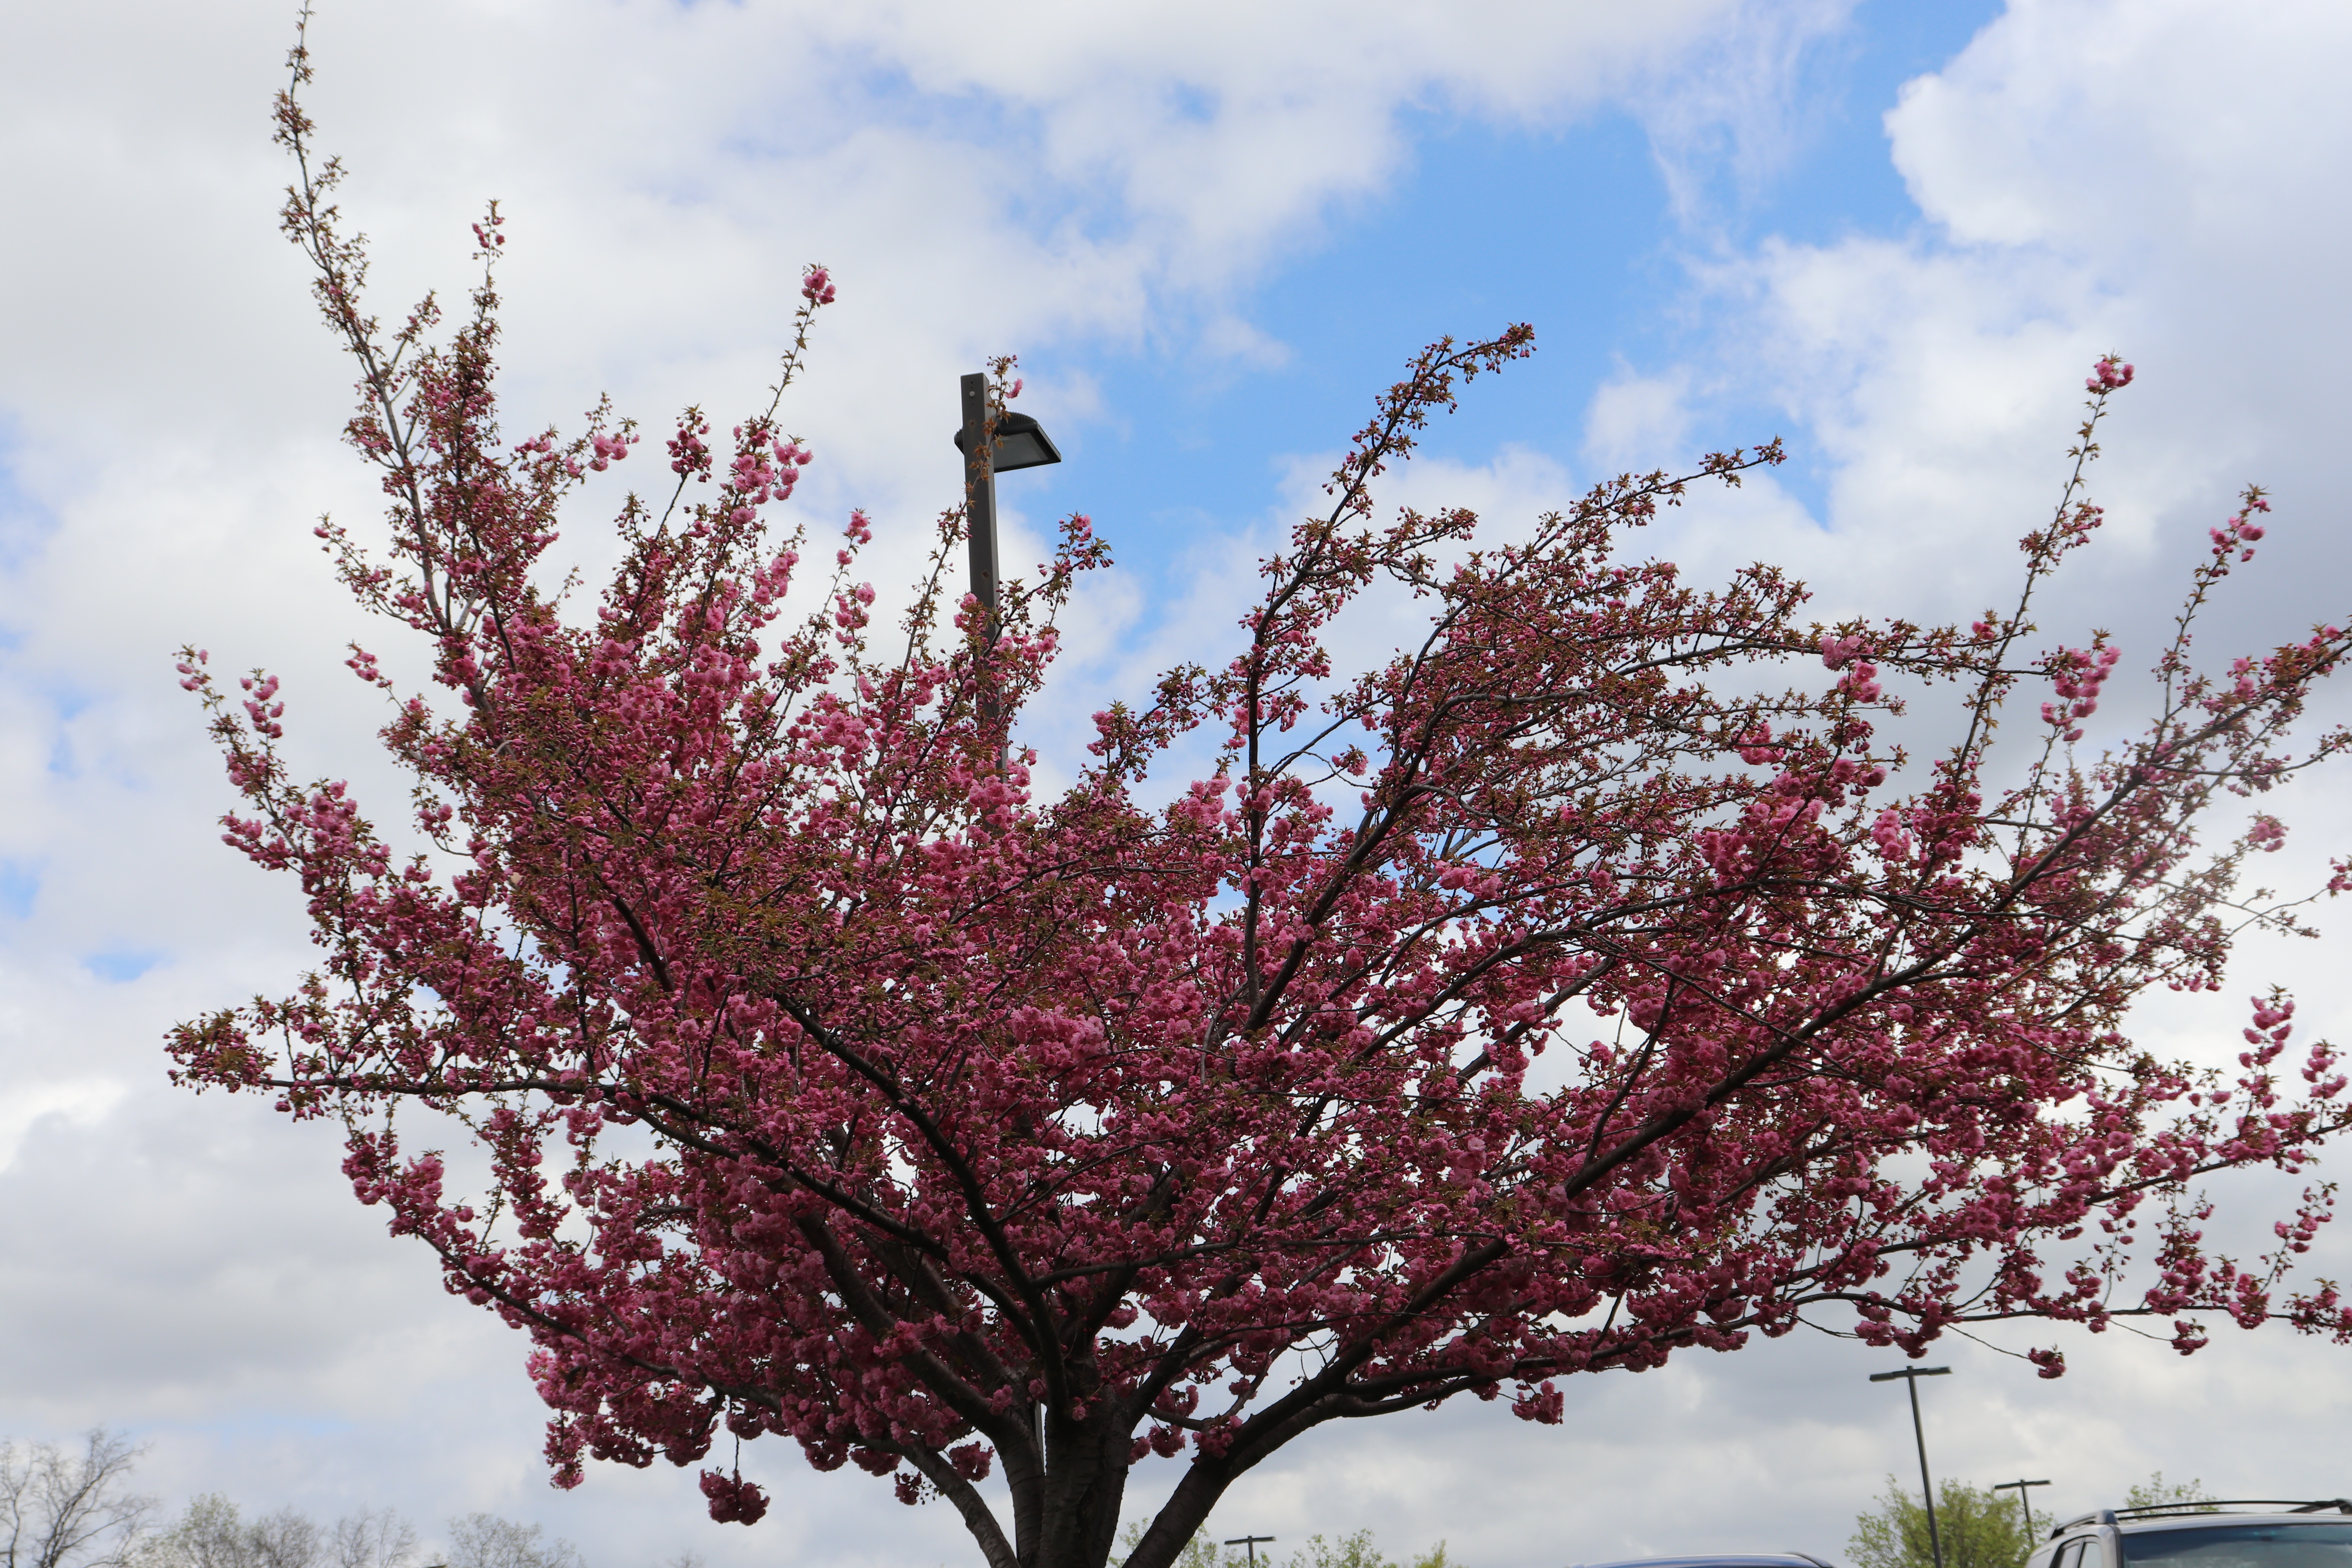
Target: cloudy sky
(1894,232)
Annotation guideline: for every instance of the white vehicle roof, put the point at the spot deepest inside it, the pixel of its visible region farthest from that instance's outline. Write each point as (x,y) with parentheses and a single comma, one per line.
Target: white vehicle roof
(2179,1516)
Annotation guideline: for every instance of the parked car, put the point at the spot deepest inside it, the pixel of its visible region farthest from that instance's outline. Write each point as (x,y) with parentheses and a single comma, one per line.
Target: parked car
(1724,1560)
(2264,1532)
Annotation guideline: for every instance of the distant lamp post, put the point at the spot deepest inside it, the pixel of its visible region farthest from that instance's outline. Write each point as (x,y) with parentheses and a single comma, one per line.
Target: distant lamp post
(1249,1544)
(2023,1512)
(1911,1376)
(1020,443)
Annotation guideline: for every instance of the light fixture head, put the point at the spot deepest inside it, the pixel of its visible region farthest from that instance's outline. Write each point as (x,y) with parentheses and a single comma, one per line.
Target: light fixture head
(1021,443)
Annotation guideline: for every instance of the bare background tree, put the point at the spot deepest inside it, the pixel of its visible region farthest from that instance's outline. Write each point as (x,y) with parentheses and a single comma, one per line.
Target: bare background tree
(486,1540)
(212,1534)
(375,1539)
(61,1509)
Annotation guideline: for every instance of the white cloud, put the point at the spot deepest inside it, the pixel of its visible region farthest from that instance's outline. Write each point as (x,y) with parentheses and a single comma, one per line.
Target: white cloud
(1635,418)
(2096,176)
(1228,337)
(1735,117)
(76,1102)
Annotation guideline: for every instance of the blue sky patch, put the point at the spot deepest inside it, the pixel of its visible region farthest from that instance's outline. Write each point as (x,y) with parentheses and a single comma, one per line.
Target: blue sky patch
(20,884)
(1575,230)
(121,964)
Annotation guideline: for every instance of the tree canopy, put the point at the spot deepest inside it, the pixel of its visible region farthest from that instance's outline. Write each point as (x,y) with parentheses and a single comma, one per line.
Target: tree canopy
(1591,978)
(2185,1497)
(1981,1526)
(1977,1527)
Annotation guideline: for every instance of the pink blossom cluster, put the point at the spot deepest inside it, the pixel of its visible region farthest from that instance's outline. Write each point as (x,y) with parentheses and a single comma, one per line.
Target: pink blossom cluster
(689,455)
(764,470)
(733,1500)
(2237,535)
(2076,674)
(609,449)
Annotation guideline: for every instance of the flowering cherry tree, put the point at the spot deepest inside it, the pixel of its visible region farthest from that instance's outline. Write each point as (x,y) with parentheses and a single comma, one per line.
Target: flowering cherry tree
(1592,979)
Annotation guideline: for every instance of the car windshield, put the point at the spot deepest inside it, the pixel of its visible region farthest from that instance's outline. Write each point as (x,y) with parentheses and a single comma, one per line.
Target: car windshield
(2242,1546)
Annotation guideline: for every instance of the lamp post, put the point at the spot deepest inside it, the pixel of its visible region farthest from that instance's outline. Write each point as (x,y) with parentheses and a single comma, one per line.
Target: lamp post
(1911,1376)
(2023,1512)
(1017,443)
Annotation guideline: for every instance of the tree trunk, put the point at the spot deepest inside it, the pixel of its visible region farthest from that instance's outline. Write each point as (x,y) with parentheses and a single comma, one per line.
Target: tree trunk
(1085,1485)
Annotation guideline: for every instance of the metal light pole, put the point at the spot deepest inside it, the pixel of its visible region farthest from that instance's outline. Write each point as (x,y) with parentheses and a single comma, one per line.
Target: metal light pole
(1016,442)
(1249,1544)
(2023,1512)
(1911,1376)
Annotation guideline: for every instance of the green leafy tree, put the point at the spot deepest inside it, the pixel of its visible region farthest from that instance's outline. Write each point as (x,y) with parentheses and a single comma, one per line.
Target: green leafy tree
(2175,1497)
(1980,1528)
(1199,1553)
(1355,1551)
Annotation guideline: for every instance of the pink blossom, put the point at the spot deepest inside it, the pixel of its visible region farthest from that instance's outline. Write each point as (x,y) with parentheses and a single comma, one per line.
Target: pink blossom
(2109,374)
